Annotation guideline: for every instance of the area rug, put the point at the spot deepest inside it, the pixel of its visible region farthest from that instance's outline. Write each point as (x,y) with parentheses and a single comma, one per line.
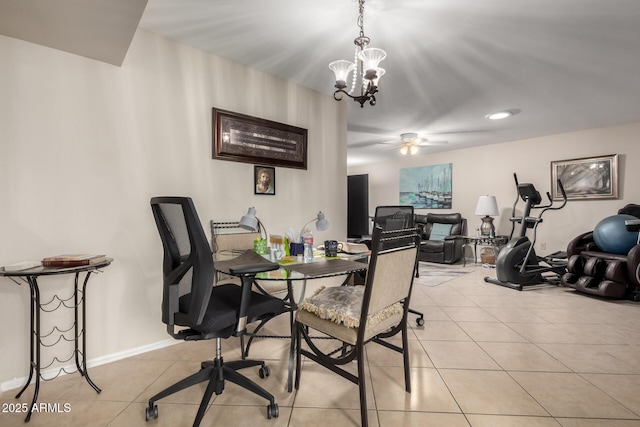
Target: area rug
(437,274)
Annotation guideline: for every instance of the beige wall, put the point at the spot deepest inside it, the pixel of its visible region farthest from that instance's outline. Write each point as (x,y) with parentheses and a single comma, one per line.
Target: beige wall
(83,147)
(489,170)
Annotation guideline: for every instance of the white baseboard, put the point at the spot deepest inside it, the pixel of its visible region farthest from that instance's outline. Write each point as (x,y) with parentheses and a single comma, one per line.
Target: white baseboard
(102,360)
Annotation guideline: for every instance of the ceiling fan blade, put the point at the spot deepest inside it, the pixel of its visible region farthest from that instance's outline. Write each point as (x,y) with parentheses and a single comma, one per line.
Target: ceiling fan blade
(429,142)
(369,144)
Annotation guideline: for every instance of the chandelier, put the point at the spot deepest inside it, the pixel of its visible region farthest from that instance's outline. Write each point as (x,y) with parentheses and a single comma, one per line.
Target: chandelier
(364,65)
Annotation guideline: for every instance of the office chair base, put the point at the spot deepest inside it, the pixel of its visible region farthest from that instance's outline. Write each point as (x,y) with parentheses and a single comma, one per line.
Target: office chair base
(420,319)
(216,372)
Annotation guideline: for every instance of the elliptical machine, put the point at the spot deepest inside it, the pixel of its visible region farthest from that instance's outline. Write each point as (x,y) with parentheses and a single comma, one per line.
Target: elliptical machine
(517,264)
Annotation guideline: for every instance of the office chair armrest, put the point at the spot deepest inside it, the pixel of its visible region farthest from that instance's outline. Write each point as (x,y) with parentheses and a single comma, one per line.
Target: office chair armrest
(250,269)
(247,273)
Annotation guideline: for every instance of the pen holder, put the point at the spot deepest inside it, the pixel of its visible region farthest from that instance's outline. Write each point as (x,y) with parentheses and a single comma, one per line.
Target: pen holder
(296,249)
(260,246)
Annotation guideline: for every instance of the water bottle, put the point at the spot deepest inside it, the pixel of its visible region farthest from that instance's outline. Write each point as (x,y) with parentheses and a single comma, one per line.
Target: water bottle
(307,240)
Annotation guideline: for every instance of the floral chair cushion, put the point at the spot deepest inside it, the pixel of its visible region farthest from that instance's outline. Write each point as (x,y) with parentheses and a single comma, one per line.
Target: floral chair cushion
(342,304)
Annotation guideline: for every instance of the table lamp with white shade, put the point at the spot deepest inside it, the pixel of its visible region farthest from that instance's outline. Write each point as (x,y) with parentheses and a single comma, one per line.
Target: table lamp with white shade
(487,207)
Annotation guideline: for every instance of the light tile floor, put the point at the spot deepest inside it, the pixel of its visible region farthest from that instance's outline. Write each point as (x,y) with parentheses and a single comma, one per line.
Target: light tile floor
(487,356)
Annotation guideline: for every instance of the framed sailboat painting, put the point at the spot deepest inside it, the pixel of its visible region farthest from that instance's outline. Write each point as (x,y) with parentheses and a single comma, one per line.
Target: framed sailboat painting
(427,187)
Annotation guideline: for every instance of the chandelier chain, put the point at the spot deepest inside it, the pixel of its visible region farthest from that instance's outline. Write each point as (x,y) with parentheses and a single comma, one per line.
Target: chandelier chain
(361,18)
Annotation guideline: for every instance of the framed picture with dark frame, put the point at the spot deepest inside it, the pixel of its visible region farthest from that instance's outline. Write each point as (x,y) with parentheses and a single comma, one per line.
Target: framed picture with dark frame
(264,179)
(241,138)
(586,178)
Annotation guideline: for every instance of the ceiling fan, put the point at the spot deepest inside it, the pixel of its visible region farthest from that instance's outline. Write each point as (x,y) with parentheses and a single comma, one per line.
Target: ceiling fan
(410,143)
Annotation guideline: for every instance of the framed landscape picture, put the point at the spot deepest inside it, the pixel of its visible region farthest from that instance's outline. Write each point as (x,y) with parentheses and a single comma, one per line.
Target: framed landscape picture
(586,178)
(241,138)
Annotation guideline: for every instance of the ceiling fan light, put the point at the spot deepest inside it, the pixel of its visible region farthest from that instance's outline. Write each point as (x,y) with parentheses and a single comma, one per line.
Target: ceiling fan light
(341,69)
(404,150)
(413,150)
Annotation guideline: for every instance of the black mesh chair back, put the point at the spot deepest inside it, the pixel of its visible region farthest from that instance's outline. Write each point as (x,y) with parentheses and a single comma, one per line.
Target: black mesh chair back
(394,217)
(187,262)
(390,218)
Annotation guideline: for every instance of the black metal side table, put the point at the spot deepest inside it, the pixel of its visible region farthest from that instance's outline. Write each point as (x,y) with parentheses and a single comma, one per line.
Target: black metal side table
(495,242)
(30,276)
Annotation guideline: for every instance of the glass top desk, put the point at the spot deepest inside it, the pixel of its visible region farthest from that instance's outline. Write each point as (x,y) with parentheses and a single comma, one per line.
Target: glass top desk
(292,272)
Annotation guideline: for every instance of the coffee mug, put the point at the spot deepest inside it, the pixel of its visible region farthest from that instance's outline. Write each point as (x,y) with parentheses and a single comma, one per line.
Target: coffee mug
(331,248)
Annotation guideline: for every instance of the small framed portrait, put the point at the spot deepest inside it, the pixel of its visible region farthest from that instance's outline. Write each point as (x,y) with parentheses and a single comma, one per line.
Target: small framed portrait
(264,178)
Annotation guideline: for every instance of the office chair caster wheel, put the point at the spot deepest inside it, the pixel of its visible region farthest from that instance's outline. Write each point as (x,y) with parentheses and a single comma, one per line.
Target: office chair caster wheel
(264,371)
(273,411)
(420,321)
(151,411)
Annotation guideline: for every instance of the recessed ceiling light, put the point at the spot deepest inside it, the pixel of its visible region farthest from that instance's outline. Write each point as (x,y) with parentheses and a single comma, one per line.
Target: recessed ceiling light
(501,114)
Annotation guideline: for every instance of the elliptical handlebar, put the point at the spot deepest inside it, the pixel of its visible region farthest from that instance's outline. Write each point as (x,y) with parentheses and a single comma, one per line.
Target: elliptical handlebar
(550,207)
(513,218)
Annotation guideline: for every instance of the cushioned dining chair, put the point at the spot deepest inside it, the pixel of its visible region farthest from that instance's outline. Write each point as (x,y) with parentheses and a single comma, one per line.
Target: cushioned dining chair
(193,309)
(229,239)
(356,315)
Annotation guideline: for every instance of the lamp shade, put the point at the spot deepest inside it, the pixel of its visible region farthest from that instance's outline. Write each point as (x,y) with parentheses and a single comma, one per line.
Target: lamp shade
(249,221)
(321,223)
(380,72)
(487,206)
(341,69)
(370,58)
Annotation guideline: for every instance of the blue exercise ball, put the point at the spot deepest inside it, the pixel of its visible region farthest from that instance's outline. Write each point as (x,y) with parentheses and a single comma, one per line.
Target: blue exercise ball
(612,236)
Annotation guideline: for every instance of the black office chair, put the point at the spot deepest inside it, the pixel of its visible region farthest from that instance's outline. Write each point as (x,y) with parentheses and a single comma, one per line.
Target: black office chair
(397,218)
(357,315)
(203,311)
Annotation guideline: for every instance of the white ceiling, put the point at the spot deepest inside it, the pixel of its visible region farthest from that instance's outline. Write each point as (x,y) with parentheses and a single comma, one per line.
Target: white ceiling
(567,64)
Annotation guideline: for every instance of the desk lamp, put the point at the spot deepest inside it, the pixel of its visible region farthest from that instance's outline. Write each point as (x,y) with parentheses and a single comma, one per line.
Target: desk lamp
(487,206)
(321,223)
(251,222)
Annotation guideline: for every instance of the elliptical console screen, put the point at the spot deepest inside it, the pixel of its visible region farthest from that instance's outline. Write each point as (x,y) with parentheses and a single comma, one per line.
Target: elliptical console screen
(529,192)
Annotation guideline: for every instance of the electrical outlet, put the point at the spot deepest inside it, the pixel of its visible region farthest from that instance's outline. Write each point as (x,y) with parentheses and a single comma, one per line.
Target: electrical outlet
(543,246)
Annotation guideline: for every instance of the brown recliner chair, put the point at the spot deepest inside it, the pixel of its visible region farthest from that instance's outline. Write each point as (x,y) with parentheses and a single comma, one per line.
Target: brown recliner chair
(592,271)
(441,237)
